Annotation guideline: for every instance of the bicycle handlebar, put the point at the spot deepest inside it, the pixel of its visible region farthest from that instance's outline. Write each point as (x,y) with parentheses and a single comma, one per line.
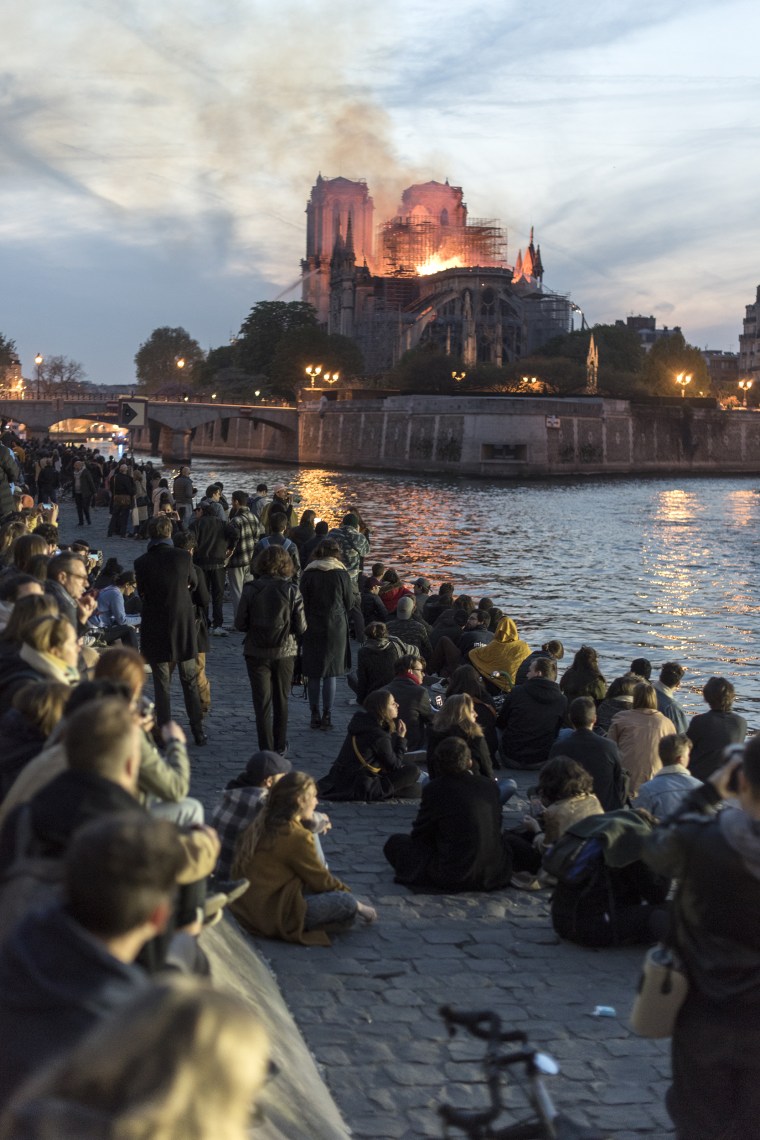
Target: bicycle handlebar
(483,1024)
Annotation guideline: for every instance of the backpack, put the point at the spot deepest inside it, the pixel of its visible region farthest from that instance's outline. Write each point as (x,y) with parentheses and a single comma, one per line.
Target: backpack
(269,611)
(574,859)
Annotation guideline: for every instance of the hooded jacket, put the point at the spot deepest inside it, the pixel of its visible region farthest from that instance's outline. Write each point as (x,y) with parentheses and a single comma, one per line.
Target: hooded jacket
(502,657)
(530,719)
(56,983)
(376,663)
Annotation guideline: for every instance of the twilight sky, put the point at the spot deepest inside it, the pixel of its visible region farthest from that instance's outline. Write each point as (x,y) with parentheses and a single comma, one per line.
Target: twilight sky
(156,156)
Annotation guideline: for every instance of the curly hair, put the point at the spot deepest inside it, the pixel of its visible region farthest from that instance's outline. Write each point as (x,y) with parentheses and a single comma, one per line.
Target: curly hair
(562,778)
(274,562)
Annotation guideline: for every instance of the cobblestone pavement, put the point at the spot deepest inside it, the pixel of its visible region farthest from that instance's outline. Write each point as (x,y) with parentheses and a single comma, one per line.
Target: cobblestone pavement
(367,1006)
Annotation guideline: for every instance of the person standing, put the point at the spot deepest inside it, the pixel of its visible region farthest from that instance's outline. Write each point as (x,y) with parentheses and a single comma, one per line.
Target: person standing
(327,597)
(248,528)
(122,498)
(215,542)
(715,856)
(183,491)
(165,578)
(271,614)
(84,489)
(354,548)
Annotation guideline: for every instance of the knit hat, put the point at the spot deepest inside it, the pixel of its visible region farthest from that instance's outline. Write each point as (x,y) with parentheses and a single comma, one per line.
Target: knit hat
(260,766)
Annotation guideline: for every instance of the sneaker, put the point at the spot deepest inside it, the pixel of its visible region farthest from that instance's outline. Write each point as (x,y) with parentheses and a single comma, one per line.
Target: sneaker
(219,631)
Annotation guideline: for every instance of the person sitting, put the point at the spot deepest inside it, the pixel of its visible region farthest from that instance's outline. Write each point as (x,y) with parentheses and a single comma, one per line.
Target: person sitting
(408,629)
(637,733)
(376,660)
(370,765)
(599,755)
(710,732)
(14,586)
(565,795)
(457,719)
(554,650)
(465,679)
(36,709)
(498,662)
(49,652)
(64,969)
(392,589)
(642,667)
(111,617)
(476,633)
(663,795)
(111,1080)
(531,716)
(444,640)
(437,603)
(413,699)
(372,608)
(456,842)
(619,696)
(584,677)
(671,675)
(292,895)
(243,798)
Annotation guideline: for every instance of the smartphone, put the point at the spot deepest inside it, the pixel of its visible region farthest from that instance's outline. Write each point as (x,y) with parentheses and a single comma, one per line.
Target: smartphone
(46,506)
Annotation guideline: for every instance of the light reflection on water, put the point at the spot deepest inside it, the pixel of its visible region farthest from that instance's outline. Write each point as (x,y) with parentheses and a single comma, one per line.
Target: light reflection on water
(636,568)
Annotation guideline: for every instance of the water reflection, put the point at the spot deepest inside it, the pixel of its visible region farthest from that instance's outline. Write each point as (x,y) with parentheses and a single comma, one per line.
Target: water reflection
(636,567)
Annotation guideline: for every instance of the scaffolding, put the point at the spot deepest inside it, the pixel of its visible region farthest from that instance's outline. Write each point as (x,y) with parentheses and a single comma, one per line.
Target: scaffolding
(409,247)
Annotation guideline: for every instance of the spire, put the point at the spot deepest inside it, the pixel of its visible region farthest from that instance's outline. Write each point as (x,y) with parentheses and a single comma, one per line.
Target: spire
(592,366)
(349,235)
(338,245)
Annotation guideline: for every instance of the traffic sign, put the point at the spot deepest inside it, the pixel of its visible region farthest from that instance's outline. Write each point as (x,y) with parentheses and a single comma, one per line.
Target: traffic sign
(133,413)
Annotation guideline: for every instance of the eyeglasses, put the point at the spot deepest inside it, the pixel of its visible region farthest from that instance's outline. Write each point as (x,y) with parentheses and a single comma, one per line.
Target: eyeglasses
(81,577)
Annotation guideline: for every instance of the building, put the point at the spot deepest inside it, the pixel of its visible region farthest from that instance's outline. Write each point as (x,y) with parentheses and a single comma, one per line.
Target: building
(749,340)
(723,368)
(647,331)
(429,274)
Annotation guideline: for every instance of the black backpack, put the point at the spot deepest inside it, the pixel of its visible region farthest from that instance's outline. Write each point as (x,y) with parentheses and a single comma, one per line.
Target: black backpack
(269,611)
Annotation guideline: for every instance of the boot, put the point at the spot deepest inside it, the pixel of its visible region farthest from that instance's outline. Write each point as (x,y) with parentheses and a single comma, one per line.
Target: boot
(316,719)
(326,720)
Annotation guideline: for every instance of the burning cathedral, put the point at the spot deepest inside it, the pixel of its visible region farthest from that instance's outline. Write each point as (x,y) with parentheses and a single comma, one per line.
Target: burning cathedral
(428,275)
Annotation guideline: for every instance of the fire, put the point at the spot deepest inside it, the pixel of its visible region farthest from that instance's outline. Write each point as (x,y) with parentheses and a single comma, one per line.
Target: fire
(437,264)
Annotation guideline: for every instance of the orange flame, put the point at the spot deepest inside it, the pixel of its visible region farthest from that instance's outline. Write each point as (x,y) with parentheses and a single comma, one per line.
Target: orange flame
(436,264)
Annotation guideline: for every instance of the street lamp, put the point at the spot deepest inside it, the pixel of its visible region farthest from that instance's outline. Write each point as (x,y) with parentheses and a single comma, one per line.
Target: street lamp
(458,376)
(313,372)
(331,377)
(39,358)
(682,379)
(745,386)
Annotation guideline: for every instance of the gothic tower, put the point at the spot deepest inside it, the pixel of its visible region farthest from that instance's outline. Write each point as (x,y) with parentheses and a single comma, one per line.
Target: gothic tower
(332,203)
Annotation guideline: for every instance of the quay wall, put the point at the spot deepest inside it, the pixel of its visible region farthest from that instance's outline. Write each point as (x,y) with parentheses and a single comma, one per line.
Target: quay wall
(496,436)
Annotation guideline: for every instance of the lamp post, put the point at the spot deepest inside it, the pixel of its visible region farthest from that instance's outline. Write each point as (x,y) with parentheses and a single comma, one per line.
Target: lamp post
(682,379)
(331,377)
(745,386)
(313,371)
(38,360)
(458,376)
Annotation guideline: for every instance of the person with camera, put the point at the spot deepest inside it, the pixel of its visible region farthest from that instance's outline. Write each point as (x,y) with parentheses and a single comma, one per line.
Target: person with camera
(715,856)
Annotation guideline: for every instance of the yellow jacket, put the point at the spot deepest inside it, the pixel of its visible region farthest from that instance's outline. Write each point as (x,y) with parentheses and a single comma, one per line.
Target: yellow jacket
(502,655)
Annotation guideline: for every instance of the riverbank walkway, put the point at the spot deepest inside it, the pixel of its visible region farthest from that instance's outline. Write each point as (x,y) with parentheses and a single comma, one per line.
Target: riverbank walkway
(367,1006)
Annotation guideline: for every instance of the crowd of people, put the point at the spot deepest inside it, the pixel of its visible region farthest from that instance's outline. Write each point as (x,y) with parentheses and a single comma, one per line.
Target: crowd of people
(109,872)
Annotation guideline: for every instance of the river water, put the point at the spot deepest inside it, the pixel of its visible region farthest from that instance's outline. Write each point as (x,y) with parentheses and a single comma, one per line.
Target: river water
(665,568)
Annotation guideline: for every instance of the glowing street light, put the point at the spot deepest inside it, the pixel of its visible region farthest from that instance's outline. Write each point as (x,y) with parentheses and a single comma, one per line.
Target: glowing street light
(39,358)
(458,376)
(331,377)
(313,371)
(180,362)
(745,386)
(682,379)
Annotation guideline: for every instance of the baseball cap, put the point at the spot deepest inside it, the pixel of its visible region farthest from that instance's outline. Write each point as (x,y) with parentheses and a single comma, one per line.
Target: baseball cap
(280,487)
(259,767)
(423,583)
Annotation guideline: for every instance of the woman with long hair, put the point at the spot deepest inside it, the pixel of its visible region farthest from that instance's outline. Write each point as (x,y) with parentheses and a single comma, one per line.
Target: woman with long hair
(292,895)
(181,1060)
(637,732)
(467,680)
(36,710)
(584,677)
(9,532)
(457,718)
(325,654)
(271,615)
(371,764)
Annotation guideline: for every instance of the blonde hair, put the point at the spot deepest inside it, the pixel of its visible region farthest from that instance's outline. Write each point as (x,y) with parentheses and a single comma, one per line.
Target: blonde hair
(282,805)
(48,633)
(458,712)
(181,1060)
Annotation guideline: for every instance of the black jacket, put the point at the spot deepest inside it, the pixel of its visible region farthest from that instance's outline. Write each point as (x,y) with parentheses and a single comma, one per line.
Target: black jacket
(327,600)
(165,578)
(376,664)
(716,860)
(215,538)
(601,759)
(20,742)
(271,615)
(414,709)
(481,756)
(456,841)
(530,719)
(709,733)
(352,778)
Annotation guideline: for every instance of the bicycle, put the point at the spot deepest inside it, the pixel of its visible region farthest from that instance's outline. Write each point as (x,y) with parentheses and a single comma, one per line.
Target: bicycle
(546,1123)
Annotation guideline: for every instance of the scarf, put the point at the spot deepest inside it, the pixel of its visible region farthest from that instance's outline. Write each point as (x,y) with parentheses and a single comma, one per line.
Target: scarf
(325,564)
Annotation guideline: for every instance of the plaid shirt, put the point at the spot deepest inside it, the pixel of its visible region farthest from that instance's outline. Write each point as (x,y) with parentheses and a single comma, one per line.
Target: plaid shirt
(238,808)
(248,530)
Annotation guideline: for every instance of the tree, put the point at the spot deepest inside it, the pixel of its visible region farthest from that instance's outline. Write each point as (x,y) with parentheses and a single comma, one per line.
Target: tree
(157,360)
(263,329)
(61,377)
(310,345)
(10,369)
(669,356)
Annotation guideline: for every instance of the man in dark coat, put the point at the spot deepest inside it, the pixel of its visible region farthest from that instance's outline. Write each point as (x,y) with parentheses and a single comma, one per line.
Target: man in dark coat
(165,579)
(456,842)
(9,473)
(413,700)
(531,716)
(597,754)
(84,489)
(215,541)
(122,492)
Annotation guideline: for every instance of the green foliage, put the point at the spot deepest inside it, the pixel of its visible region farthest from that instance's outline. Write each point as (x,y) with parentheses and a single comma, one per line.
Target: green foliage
(156,360)
(264,328)
(310,345)
(668,356)
(425,369)
(8,354)
(619,348)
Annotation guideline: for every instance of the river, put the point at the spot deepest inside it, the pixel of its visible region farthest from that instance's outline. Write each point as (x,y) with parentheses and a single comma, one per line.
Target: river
(665,568)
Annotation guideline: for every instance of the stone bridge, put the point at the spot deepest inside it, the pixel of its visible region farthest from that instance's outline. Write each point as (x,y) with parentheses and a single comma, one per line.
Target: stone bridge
(175,429)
